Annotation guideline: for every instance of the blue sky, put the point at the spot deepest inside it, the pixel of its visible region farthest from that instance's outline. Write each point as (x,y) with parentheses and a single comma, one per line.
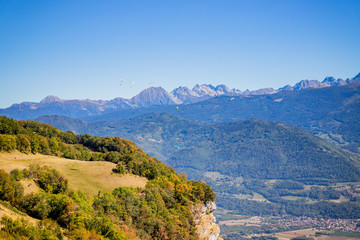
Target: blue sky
(82,49)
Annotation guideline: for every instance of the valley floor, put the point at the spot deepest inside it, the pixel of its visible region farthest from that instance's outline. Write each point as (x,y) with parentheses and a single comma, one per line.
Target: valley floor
(288,227)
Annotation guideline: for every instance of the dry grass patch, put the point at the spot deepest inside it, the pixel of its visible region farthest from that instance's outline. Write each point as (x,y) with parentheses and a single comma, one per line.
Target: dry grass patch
(300,233)
(6,211)
(29,186)
(90,177)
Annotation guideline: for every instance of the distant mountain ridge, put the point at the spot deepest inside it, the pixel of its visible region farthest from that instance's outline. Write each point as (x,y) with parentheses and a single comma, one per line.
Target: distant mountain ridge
(52,105)
(331,113)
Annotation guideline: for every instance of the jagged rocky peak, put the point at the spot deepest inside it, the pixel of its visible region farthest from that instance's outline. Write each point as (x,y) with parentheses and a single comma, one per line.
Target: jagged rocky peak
(331,81)
(303,84)
(182,91)
(222,88)
(50,99)
(204,89)
(210,90)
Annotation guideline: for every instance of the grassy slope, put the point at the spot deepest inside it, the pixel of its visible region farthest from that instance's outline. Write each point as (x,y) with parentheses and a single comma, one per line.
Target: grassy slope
(7,210)
(90,177)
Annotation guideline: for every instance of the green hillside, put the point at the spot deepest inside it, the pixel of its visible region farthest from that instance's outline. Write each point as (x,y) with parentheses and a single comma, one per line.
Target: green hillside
(247,162)
(161,210)
(256,149)
(250,149)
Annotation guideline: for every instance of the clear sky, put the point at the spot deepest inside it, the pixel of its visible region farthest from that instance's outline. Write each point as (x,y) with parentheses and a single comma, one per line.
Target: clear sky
(82,49)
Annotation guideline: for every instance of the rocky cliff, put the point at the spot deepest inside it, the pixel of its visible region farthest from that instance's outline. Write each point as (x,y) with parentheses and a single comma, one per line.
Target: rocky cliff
(206,221)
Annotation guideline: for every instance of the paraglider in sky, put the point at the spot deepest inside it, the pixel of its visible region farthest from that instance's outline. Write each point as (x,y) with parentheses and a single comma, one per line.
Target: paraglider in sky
(122,81)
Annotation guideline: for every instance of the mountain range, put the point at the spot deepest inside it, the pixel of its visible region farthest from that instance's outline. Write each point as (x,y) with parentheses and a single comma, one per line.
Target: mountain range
(152,96)
(242,143)
(331,113)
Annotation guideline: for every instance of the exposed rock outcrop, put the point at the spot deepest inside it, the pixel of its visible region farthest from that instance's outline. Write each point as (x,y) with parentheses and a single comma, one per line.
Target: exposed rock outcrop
(206,221)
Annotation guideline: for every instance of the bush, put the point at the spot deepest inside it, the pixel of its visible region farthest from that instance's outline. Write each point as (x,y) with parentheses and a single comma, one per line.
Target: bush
(16,175)
(52,181)
(120,168)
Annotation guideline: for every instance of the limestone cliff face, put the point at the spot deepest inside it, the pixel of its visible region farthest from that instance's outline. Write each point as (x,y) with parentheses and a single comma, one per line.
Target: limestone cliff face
(206,221)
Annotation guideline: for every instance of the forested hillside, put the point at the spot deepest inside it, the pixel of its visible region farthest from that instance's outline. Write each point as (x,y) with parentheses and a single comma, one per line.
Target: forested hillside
(243,159)
(161,210)
(251,148)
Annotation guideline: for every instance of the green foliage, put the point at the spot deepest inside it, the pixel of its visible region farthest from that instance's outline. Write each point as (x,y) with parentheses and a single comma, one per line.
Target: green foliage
(51,180)
(120,168)
(324,194)
(288,184)
(16,174)
(301,238)
(7,143)
(163,210)
(10,190)
(21,229)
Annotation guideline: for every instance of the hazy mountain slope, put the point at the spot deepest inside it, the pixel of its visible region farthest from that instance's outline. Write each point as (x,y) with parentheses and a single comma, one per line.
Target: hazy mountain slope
(264,150)
(251,148)
(331,113)
(69,108)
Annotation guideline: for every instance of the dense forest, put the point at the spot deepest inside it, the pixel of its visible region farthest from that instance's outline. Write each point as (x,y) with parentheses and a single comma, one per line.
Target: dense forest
(162,210)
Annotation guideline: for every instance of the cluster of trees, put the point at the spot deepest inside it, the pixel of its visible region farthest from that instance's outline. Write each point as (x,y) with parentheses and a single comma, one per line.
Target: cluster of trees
(162,210)
(22,229)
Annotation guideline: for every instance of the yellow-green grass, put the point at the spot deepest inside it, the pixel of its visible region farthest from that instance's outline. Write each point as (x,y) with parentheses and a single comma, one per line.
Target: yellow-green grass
(29,186)
(242,196)
(259,197)
(299,233)
(311,232)
(292,198)
(7,210)
(90,177)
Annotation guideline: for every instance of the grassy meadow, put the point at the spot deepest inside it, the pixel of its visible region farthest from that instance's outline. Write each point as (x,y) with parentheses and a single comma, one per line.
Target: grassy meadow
(90,177)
